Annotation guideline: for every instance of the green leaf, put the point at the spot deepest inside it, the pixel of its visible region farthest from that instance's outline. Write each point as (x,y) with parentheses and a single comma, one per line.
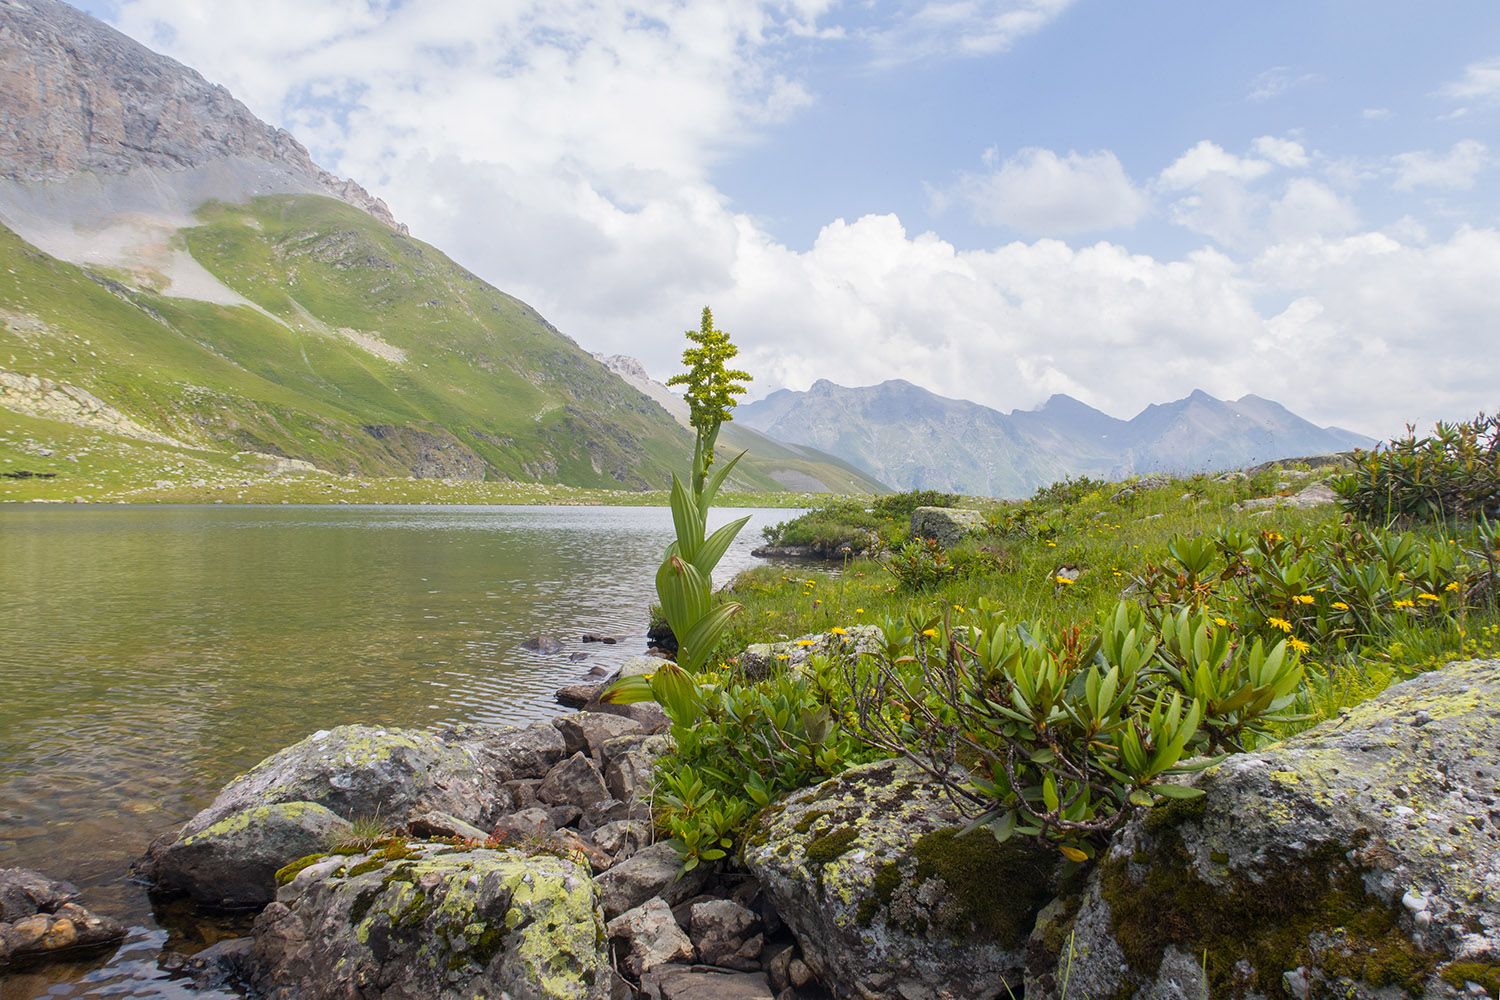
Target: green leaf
(687,519)
(628,690)
(703,636)
(713,482)
(713,548)
(1177,791)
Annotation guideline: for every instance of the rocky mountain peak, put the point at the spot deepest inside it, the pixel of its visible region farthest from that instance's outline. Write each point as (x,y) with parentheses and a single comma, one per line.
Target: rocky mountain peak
(82,97)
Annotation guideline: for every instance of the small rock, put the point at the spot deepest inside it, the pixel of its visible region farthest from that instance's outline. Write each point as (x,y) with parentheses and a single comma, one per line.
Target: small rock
(543,644)
(622,836)
(652,936)
(587,732)
(578,695)
(720,929)
(532,822)
(434,824)
(576,781)
(652,872)
(669,982)
(797,973)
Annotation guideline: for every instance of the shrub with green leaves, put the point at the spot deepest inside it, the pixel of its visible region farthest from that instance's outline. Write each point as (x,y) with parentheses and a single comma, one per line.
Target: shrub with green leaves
(1452,473)
(1059,733)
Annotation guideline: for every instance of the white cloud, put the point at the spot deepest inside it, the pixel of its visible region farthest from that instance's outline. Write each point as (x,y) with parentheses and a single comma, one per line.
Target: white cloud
(1282,152)
(1207,159)
(1309,208)
(1274,82)
(1455,171)
(921,28)
(1481,82)
(1375,114)
(1038,192)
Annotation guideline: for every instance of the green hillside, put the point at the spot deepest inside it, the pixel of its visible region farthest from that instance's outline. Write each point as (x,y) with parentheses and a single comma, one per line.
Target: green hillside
(366,352)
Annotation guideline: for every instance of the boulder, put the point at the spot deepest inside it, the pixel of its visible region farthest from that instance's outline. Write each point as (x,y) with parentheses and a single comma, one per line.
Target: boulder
(232,863)
(651,936)
(543,644)
(436,923)
(578,695)
(1318,494)
(1360,858)
(288,805)
(946,525)
(39,919)
(884,897)
(761,658)
(587,732)
(630,772)
(655,871)
(575,781)
(510,752)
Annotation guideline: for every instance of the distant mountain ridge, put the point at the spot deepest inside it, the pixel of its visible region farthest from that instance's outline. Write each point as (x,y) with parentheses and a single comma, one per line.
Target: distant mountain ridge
(911,438)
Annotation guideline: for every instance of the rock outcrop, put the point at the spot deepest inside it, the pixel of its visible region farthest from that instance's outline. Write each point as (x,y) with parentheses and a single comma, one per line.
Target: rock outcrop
(884,897)
(81,97)
(1360,858)
(762,658)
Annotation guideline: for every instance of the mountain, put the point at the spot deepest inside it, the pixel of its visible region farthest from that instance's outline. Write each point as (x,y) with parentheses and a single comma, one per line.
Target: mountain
(795,467)
(915,439)
(175,271)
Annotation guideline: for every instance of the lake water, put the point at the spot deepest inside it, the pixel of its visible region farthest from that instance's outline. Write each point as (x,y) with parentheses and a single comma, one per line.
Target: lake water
(148,654)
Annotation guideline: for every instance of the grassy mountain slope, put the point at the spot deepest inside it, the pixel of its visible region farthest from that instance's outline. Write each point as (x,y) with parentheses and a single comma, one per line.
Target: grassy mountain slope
(356,348)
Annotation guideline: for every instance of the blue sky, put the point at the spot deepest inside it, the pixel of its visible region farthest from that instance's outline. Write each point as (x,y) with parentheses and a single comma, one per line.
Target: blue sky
(996,199)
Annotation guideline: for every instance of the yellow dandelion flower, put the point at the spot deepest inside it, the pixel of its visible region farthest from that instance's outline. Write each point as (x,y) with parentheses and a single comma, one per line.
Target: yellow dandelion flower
(1455,585)
(1340,605)
(1403,603)
(1428,597)
(1298,644)
(859,611)
(1280,623)
(929,631)
(1221,622)
(959,608)
(1052,545)
(805,642)
(839,630)
(1304,598)
(782,656)
(1065,581)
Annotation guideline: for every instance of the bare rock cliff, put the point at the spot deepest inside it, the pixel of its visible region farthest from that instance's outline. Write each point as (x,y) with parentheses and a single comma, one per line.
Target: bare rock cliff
(80,97)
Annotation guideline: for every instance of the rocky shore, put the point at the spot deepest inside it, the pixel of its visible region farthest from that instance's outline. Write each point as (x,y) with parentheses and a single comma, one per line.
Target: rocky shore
(1358,859)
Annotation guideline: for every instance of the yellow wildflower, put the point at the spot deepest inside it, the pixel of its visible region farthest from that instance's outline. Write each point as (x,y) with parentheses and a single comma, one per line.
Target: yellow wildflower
(1428,597)
(929,631)
(1052,544)
(1065,581)
(1298,644)
(1340,605)
(1221,622)
(1304,598)
(1455,585)
(859,611)
(1280,623)
(838,630)
(805,642)
(959,608)
(1403,603)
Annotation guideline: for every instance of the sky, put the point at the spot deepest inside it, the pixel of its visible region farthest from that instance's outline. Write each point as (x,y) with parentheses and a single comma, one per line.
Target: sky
(997,200)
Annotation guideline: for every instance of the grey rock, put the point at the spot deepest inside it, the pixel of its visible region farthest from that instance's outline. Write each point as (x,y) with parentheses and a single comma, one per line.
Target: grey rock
(532,822)
(600,813)
(675,983)
(762,658)
(575,781)
(429,927)
(220,964)
(578,695)
(1387,824)
(629,775)
(622,837)
(883,897)
(564,814)
(778,967)
(587,732)
(1317,494)
(726,934)
(543,644)
(520,794)
(233,862)
(24,892)
(510,752)
(652,872)
(946,525)
(651,935)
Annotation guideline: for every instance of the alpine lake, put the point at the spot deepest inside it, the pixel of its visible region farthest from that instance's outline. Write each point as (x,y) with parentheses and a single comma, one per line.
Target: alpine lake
(150,653)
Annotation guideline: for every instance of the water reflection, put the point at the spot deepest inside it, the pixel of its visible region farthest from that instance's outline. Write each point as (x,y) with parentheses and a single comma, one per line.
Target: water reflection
(149,654)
